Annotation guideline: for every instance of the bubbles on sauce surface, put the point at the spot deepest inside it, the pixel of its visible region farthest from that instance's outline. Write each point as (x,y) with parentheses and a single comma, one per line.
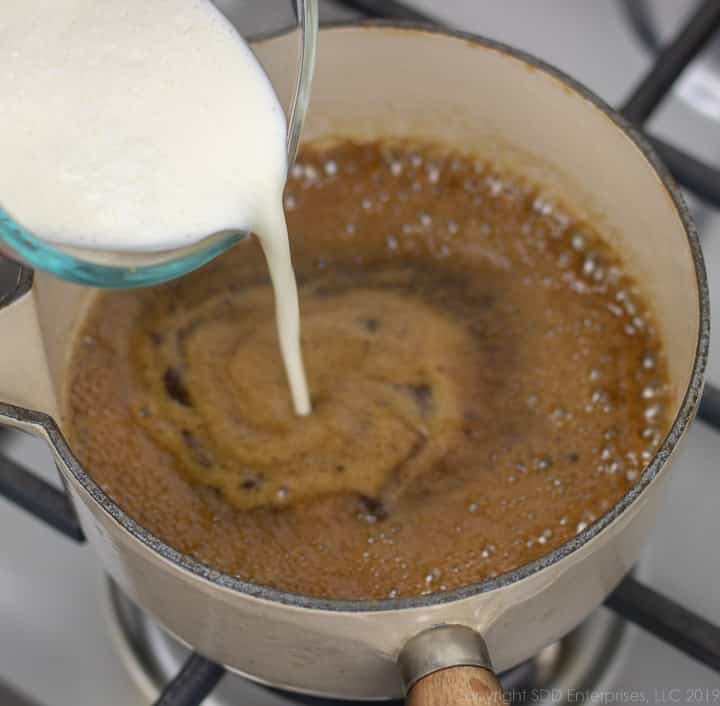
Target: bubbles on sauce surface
(567,397)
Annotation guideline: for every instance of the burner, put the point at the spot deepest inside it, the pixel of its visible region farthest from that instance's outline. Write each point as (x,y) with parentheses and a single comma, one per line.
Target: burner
(580,662)
(655,22)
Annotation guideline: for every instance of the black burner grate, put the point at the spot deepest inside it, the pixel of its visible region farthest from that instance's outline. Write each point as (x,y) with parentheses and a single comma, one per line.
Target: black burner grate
(636,602)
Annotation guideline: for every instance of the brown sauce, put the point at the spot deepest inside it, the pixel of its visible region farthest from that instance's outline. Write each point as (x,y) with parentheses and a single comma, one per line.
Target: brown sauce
(486,379)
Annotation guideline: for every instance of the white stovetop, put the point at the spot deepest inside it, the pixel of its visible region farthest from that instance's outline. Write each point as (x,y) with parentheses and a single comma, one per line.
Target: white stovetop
(54,643)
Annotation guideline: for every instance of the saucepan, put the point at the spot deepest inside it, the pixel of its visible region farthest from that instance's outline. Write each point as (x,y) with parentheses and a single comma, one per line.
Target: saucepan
(373,81)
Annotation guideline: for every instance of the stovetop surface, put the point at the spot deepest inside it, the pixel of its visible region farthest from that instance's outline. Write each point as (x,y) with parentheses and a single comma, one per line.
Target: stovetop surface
(55,645)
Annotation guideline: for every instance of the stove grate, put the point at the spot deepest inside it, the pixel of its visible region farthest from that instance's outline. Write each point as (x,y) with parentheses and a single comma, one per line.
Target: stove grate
(197,678)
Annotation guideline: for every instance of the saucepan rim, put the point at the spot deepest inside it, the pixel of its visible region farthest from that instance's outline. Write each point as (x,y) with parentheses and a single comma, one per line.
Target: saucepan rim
(680,424)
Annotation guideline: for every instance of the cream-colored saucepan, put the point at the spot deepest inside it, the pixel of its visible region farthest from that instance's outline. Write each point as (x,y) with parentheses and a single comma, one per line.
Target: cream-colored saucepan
(379,80)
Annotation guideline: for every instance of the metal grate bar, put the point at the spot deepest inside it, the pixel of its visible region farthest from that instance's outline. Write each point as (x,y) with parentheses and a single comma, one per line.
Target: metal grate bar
(639,19)
(671,62)
(197,678)
(710,406)
(39,498)
(9,696)
(694,175)
(387,9)
(668,620)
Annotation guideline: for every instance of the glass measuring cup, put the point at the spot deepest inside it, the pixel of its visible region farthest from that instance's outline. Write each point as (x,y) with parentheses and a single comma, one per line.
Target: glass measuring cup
(129,270)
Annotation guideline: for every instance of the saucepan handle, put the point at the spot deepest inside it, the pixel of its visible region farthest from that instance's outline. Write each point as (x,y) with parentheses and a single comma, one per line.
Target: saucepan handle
(449,664)
(459,686)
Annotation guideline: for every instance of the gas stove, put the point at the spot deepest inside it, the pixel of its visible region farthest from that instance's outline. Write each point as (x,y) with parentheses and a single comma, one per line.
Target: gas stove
(68,637)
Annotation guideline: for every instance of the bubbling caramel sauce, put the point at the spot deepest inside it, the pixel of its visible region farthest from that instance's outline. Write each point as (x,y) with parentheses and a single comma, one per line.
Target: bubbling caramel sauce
(393,413)
(487,381)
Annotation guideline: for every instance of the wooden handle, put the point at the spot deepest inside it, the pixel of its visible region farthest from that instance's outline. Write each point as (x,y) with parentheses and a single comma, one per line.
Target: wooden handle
(457,686)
